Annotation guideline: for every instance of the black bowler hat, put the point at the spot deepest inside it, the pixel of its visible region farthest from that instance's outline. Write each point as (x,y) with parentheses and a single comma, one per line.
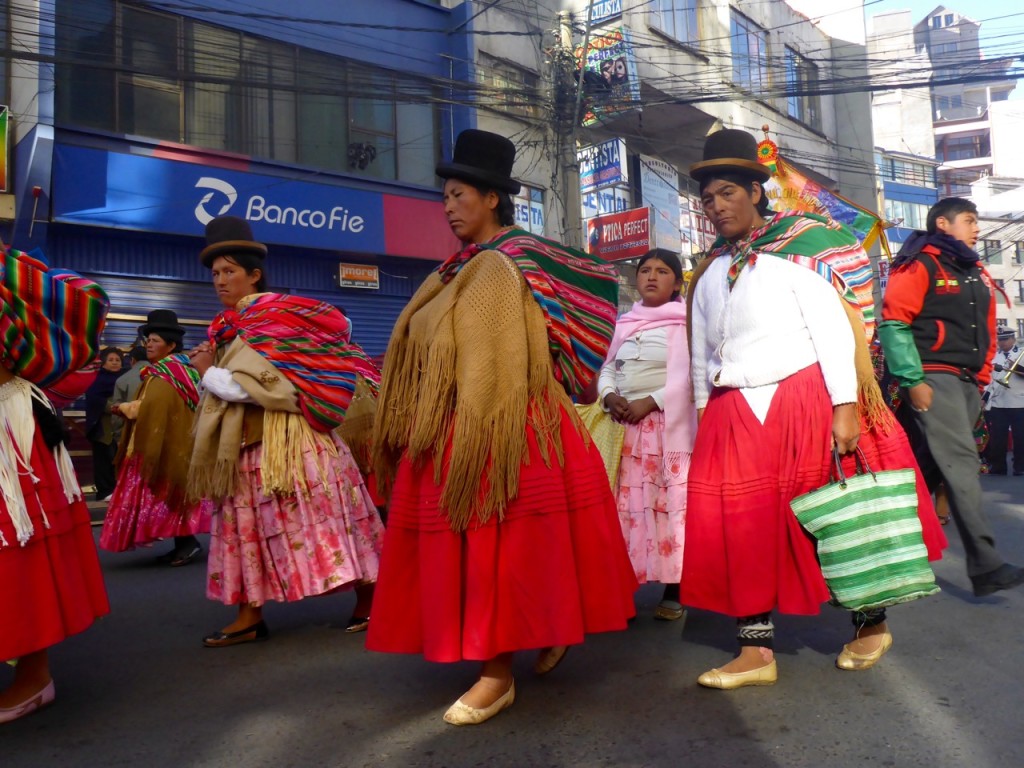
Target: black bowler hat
(229,235)
(162,322)
(730,151)
(482,157)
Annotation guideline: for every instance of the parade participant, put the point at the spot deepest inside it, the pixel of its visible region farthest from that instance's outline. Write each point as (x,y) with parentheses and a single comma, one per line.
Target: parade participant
(645,384)
(1004,408)
(502,532)
(99,422)
(938,332)
(294,518)
(52,583)
(781,373)
(127,385)
(150,501)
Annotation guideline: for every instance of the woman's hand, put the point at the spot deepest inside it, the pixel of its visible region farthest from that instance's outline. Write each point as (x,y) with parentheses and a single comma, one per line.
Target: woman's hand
(845,427)
(638,409)
(202,357)
(920,397)
(617,405)
(129,410)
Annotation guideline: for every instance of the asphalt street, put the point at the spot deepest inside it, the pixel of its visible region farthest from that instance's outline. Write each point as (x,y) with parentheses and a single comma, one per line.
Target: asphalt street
(139,689)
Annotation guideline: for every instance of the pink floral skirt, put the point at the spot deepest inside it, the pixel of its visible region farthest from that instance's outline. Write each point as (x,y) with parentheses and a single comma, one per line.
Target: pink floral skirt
(284,548)
(651,500)
(138,515)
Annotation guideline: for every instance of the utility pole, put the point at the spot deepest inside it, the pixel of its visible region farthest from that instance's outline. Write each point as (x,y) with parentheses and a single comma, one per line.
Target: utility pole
(568,96)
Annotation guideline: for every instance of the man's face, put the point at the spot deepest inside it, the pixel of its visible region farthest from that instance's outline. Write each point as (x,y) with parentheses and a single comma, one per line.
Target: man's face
(1005,345)
(964,227)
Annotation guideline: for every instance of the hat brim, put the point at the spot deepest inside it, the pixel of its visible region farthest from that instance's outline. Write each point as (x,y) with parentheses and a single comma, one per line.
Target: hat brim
(211,252)
(477,176)
(173,330)
(705,168)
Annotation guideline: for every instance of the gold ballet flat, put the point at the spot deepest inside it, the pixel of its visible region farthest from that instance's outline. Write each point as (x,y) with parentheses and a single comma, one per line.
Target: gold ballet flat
(716,678)
(463,714)
(853,661)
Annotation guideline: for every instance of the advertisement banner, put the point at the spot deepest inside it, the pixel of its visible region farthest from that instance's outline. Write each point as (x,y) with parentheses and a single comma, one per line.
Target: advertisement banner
(605,10)
(659,188)
(623,235)
(4,154)
(606,200)
(602,164)
(610,55)
(358,276)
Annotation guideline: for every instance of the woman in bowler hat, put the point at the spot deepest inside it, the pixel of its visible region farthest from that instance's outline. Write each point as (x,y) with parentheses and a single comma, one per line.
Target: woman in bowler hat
(502,531)
(150,502)
(781,374)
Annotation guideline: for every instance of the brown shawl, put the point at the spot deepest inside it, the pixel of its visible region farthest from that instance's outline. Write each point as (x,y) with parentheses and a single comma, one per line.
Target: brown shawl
(468,367)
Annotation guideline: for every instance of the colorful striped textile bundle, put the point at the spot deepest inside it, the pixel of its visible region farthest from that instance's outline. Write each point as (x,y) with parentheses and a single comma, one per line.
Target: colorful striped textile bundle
(577,293)
(178,371)
(50,319)
(813,241)
(307,341)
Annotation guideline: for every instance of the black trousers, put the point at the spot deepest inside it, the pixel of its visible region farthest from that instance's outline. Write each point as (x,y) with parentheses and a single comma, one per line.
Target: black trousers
(1001,421)
(103,468)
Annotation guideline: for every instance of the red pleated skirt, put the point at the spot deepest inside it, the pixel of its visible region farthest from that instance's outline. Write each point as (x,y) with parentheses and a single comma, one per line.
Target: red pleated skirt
(52,587)
(745,552)
(552,570)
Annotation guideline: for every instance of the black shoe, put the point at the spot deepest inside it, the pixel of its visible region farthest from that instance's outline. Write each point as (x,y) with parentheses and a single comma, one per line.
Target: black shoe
(186,557)
(257,631)
(1006,576)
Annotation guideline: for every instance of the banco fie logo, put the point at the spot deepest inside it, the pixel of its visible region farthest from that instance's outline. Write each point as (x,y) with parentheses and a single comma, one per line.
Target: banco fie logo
(257,208)
(215,185)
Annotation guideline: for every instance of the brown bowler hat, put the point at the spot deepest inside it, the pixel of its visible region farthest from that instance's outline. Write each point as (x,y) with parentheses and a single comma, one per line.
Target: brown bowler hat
(730,151)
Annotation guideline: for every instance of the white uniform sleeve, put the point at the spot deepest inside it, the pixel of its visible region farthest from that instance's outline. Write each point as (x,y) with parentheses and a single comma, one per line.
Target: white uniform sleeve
(220,382)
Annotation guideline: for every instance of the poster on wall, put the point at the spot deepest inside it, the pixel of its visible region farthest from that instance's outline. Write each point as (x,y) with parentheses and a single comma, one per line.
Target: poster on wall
(602,164)
(659,188)
(610,55)
(622,235)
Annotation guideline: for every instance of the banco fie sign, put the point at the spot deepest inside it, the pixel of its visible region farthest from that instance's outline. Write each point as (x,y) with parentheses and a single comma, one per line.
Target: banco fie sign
(99,188)
(258,208)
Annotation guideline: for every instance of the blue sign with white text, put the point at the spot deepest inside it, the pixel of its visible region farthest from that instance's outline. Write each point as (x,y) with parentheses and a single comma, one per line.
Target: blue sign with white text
(112,189)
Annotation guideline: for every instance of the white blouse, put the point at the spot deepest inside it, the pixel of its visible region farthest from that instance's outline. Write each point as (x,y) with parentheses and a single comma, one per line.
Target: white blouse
(638,370)
(779,318)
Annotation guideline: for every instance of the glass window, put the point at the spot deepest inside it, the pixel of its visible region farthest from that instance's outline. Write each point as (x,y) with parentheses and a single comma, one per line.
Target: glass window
(5,61)
(507,87)
(948,21)
(323,112)
(676,18)
(1020,292)
(991,251)
(149,94)
(1018,253)
(84,94)
(1020,328)
(802,101)
(936,21)
(371,139)
(749,53)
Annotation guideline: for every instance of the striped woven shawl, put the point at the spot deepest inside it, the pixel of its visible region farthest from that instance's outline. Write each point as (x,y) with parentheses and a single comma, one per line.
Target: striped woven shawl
(577,293)
(178,371)
(307,341)
(50,319)
(829,248)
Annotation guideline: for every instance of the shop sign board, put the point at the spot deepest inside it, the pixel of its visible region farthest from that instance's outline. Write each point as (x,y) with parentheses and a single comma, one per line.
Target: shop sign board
(622,235)
(358,276)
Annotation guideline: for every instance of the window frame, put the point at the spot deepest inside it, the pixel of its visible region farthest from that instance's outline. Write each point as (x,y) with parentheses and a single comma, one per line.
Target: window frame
(742,27)
(674,10)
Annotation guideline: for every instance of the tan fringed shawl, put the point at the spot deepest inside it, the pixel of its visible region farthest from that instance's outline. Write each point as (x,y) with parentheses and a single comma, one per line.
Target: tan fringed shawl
(221,433)
(870,402)
(161,436)
(467,368)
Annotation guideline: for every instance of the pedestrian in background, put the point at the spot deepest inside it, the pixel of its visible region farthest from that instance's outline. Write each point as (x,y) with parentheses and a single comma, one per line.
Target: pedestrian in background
(1004,407)
(99,424)
(645,384)
(150,501)
(294,518)
(51,586)
(128,383)
(938,332)
(502,533)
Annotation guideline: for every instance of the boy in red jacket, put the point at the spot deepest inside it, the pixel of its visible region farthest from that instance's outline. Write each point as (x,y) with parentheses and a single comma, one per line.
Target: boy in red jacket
(938,332)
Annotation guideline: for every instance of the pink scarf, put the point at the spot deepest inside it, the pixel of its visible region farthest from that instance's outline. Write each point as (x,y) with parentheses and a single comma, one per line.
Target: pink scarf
(680,416)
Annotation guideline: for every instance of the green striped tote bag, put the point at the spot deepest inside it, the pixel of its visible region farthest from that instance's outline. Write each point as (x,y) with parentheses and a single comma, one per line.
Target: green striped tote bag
(869,537)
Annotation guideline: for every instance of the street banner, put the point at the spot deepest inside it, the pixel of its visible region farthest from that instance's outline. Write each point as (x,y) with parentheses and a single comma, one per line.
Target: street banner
(618,236)
(610,54)
(602,164)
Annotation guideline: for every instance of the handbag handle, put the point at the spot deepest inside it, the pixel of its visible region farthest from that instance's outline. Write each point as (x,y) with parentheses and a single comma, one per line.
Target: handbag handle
(862,465)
